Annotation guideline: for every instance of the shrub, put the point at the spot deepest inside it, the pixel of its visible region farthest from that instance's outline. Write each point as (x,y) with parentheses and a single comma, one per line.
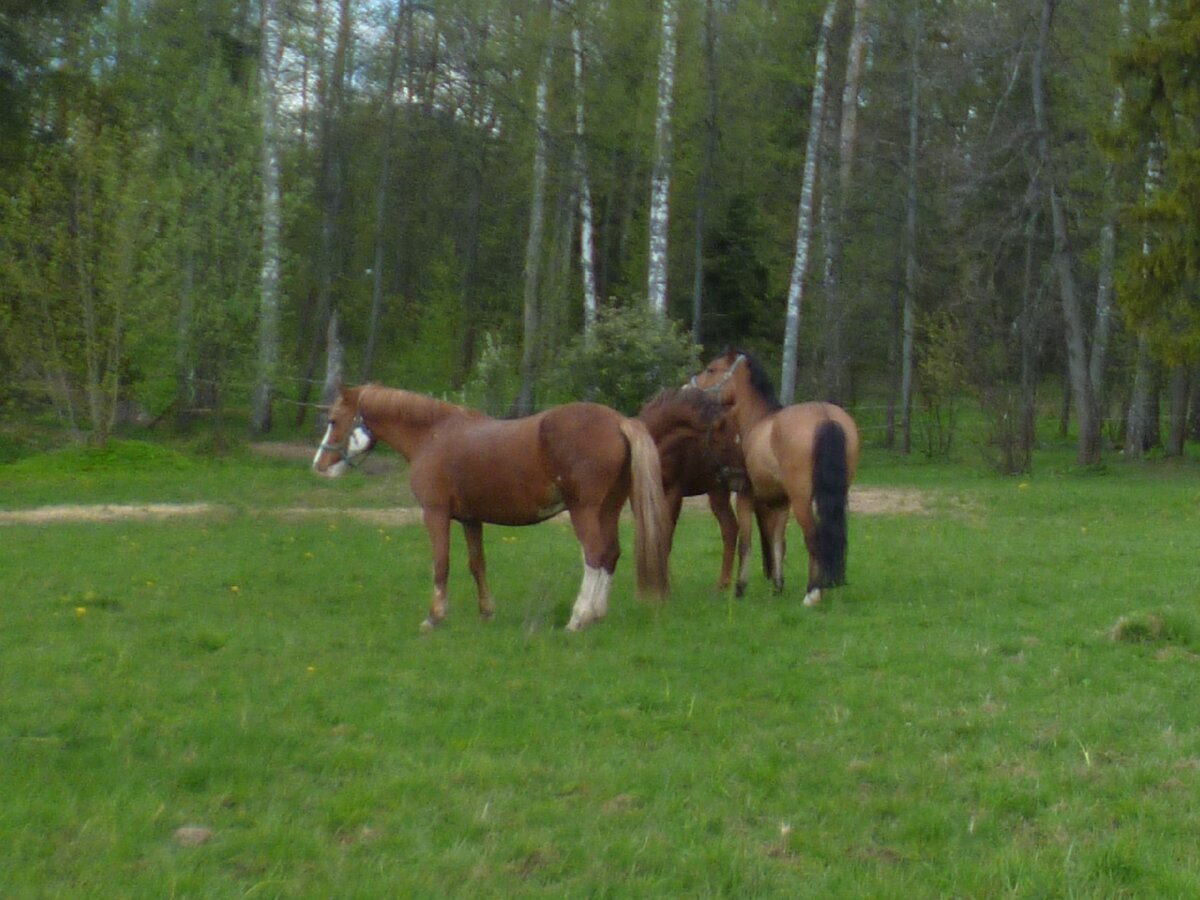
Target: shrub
(630,356)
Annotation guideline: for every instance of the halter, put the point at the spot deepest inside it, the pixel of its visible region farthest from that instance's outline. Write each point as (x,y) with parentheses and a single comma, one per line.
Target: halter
(716,388)
(342,447)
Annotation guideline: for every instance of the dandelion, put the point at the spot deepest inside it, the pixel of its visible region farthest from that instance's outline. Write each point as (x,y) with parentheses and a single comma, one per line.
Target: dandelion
(312,670)
(308,554)
(234,589)
(81,610)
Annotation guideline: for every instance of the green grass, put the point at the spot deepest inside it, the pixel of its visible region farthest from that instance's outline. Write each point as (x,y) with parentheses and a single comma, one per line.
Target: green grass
(1000,703)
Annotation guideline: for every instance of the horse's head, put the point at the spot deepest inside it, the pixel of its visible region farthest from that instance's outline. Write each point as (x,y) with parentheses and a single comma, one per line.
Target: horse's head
(717,378)
(347,440)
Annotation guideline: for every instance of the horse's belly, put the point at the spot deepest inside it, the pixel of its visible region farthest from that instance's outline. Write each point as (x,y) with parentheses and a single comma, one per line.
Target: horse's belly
(507,504)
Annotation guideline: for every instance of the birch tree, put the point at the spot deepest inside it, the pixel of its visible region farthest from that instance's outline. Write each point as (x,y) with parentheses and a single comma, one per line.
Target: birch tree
(272,251)
(795,297)
(587,261)
(835,228)
(660,183)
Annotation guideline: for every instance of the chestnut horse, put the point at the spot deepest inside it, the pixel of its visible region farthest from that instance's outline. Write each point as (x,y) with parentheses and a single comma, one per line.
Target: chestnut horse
(468,467)
(803,457)
(699,453)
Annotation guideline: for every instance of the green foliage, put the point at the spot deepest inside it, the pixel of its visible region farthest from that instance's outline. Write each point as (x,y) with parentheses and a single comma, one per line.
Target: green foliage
(631,355)
(1159,287)
(493,382)
(942,383)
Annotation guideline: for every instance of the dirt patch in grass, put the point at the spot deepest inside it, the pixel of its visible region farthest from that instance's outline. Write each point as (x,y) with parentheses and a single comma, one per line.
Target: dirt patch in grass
(868,501)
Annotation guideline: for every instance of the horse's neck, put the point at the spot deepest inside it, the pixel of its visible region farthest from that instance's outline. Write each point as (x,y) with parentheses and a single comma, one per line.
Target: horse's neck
(405,420)
(750,410)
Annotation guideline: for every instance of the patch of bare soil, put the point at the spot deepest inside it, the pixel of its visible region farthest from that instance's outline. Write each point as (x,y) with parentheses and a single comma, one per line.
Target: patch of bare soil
(105,512)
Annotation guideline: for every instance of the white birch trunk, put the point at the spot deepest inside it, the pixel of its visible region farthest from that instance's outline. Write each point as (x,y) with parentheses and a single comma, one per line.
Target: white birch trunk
(1108,244)
(791,336)
(587,261)
(660,185)
(269,274)
(847,138)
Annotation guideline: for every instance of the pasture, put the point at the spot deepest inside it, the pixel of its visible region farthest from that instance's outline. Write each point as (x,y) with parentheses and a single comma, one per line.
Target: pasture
(1000,703)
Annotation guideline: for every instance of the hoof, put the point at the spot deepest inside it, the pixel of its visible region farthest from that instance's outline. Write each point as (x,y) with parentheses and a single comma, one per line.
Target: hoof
(428,625)
(813,597)
(486,615)
(740,590)
(578,623)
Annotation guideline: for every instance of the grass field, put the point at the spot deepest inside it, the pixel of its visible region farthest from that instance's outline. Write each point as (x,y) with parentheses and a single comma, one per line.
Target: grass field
(1001,703)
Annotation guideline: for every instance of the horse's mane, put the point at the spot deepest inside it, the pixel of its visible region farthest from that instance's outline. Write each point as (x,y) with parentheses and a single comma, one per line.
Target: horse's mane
(687,403)
(418,409)
(760,381)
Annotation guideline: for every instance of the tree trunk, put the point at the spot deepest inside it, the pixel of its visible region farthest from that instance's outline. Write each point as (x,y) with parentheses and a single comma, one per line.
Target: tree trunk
(791,336)
(1180,378)
(660,185)
(835,363)
(706,166)
(908,324)
(533,244)
(1076,340)
(587,260)
(1108,244)
(1030,329)
(329,193)
(381,204)
(1140,433)
(269,274)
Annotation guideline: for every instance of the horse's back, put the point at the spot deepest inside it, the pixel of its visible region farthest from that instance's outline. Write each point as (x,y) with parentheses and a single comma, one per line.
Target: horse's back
(581,433)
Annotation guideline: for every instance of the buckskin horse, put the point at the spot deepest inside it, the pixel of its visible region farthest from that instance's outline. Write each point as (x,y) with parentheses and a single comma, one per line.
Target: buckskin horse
(699,454)
(468,467)
(803,456)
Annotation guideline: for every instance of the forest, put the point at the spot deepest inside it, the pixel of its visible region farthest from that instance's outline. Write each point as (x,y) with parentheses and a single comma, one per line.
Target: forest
(214,210)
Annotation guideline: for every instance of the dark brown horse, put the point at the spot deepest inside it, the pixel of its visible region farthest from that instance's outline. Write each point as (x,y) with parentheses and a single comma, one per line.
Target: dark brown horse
(468,467)
(803,457)
(698,449)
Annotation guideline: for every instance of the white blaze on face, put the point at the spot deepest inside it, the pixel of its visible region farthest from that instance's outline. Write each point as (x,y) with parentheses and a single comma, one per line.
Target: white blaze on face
(337,468)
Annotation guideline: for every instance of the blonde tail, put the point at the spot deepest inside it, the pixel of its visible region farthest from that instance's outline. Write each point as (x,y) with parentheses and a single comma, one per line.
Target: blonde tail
(651,518)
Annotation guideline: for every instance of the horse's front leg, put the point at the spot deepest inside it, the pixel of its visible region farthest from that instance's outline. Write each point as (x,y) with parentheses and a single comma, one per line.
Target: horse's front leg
(474,535)
(437,523)
(718,502)
(745,526)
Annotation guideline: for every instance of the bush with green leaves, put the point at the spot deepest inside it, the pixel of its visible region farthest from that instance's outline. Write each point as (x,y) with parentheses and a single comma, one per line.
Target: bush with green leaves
(630,356)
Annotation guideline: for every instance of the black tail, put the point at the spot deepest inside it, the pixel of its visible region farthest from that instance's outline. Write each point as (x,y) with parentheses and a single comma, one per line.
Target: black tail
(831,488)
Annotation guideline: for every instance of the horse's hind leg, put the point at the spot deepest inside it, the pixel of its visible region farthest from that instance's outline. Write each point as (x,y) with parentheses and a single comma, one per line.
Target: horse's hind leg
(474,535)
(601,549)
(745,526)
(772,530)
(802,508)
(437,523)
